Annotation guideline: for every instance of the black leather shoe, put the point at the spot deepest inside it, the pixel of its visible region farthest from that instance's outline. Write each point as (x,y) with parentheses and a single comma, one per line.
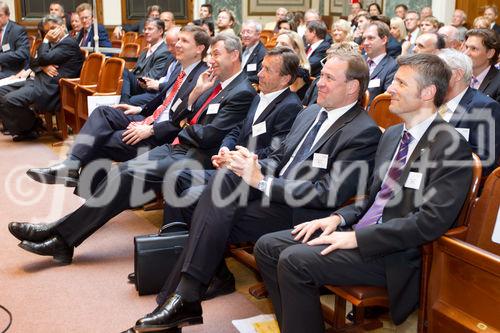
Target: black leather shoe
(220,286)
(131,278)
(33,232)
(54,247)
(175,312)
(56,174)
(29,136)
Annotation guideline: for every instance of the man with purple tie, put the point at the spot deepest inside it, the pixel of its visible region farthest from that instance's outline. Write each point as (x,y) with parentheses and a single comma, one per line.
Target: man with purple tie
(414,196)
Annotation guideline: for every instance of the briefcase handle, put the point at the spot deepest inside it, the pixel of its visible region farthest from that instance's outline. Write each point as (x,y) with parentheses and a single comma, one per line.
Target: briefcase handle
(165,228)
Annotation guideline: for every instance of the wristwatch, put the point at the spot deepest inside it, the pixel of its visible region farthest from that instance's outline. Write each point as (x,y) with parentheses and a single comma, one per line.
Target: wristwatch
(261,186)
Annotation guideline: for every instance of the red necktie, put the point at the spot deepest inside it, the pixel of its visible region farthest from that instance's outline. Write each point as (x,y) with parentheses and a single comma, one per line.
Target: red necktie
(159,110)
(309,51)
(194,120)
(1,35)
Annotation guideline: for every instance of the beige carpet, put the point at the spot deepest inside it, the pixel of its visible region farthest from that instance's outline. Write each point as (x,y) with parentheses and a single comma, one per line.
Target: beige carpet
(90,295)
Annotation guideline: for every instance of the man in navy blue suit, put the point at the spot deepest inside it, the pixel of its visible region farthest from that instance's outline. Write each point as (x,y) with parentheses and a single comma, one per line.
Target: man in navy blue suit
(86,36)
(475,115)
(382,67)
(315,36)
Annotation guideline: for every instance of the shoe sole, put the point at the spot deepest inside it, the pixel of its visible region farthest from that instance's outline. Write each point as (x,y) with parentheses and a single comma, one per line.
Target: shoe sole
(51,179)
(177,324)
(63,259)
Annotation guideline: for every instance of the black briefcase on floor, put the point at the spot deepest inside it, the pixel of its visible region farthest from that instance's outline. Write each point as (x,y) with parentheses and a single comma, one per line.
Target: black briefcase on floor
(155,255)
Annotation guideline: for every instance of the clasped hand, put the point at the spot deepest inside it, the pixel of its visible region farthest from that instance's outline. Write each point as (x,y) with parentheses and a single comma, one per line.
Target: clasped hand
(245,164)
(329,236)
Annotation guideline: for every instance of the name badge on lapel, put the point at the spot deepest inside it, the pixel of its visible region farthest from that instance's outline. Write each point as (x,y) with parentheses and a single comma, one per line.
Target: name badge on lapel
(5,47)
(176,105)
(375,83)
(464,131)
(320,161)
(213,108)
(413,181)
(259,129)
(251,67)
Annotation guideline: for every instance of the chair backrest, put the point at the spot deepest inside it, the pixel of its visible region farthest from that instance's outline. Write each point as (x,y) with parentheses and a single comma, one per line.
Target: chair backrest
(264,39)
(34,47)
(366,99)
(141,40)
(110,78)
(85,53)
(477,171)
(379,111)
(91,69)
(117,43)
(130,37)
(130,50)
(268,33)
(484,215)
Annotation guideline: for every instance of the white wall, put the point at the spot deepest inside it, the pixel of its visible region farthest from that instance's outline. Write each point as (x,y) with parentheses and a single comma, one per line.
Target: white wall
(112,12)
(12,8)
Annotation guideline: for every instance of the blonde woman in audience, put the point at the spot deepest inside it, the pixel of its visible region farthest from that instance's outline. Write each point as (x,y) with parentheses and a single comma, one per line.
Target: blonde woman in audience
(292,40)
(398,29)
(429,24)
(341,31)
(481,22)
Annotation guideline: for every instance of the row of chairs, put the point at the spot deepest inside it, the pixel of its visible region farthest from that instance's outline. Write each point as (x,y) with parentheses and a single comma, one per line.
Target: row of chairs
(130,37)
(99,77)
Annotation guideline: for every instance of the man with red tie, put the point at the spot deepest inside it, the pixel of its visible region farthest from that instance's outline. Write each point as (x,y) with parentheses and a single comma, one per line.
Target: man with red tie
(414,196)
(219,102)
(117,133)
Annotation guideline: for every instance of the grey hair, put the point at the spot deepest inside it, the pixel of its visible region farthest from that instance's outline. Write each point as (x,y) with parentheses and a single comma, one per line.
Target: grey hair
(52,18)
(231,42)
(457,60)
(256,24)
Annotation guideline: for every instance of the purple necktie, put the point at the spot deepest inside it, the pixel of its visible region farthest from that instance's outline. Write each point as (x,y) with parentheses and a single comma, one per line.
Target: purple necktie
(385,193)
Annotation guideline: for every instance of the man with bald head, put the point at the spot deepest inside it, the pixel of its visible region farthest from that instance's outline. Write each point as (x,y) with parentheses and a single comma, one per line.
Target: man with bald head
(429,42)
(450,35)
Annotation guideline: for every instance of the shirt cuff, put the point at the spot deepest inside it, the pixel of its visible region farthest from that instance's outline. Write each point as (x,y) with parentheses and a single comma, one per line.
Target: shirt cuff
(343,223)
(267,190)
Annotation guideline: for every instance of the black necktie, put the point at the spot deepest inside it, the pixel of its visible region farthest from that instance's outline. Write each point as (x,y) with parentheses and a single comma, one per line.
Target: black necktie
(306,146)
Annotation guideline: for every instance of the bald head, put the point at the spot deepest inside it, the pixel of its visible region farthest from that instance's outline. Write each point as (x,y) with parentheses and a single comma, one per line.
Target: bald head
(450,35)
(429,43)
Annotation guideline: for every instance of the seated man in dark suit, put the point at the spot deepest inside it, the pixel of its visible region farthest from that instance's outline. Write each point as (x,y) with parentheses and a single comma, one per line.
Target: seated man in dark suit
(58,56)
(414,196)
(298,181)
(268,121)
(253,49)
(86,35)
(475,115)
(219,102)
(315,36)
(483,46)
(15,52)
(119,133)
(152,86)
(152,63)
(382,66)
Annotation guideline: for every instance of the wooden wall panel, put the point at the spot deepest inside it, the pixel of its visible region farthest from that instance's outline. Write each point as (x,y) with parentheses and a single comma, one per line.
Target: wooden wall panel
(475,8)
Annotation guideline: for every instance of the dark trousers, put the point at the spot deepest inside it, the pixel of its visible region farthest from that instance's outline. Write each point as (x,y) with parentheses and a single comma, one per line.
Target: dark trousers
(293,273)
(213,227)
(188,187)
(15,112)
(130,86)
(102,137)
(143,99)
(131,185)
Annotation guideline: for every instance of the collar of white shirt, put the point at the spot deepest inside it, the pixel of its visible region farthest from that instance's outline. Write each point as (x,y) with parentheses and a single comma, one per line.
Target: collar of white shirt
(452,105)
(228,81)
(153,48)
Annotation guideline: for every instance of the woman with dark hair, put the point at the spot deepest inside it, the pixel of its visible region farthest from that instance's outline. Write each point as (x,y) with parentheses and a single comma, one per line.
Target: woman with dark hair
(286,25)
(374,9)
(207,25)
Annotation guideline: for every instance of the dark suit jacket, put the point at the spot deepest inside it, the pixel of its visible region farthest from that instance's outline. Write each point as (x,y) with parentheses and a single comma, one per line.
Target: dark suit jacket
(408,220)
(279,116)
(103,37)
(496,28)
(204,137)
(473,113)
(384,72)
(393,47)
(491,84)
(166,131)
(67,56)
(255,58)
(155,66)
(316,57)
(13,60)
(349,144)
(137,27)
(311,94)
